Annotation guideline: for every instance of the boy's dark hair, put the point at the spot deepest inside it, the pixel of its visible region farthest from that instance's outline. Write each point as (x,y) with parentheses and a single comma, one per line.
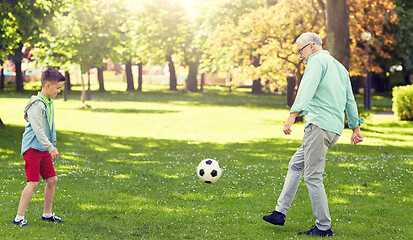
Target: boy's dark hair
(51,75)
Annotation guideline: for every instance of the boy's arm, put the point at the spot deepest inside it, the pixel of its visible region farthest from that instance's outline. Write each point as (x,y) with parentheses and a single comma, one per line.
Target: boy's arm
(35,115)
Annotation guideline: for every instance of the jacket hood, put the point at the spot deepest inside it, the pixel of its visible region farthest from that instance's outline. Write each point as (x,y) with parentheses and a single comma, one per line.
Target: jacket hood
(31,101)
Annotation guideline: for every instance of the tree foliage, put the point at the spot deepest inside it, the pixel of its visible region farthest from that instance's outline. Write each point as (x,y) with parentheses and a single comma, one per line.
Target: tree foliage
(337,30)
(204,18)
(266,36)
(241,36)
(85,32)
(376,17)
(23,23)
(269,36)
(403,36)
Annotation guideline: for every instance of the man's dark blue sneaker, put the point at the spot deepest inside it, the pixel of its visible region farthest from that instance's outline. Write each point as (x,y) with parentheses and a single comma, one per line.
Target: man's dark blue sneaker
(21,223)
(275,218)
(53,218)
(314,231)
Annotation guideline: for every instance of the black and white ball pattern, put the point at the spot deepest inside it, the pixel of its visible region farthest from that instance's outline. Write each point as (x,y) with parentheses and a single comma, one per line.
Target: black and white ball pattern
(209,171)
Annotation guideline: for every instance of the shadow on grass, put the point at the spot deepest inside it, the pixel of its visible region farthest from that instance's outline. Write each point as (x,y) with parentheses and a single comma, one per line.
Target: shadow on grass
(399,124)
(129,110)
(207,98)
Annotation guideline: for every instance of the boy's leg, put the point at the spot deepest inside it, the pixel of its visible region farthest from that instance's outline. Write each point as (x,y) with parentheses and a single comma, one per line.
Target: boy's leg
(48,201)
(32,160)
(26,196)
(48,173)
(49,194)
(292,181)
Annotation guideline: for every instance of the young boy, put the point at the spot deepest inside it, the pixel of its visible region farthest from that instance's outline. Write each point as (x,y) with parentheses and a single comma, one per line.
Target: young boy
(39,146)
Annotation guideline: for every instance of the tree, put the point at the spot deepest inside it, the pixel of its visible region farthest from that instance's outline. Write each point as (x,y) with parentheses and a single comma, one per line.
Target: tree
(6,37)
(403,45)
(84,33)
(203,20)
(24,25)
(165,30)
(269,35)
(338,41)
(374,16)
(349,19)
(266,36)
(132,47)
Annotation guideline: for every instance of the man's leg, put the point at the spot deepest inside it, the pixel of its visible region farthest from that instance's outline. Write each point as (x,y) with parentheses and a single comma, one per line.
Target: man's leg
(292,181)
(316,143)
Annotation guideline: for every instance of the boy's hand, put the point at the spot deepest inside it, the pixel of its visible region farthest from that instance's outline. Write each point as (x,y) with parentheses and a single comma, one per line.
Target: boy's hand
(357,137)
(54,154)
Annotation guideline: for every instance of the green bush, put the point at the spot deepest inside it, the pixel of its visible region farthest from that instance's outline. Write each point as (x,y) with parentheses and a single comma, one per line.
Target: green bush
(403,102)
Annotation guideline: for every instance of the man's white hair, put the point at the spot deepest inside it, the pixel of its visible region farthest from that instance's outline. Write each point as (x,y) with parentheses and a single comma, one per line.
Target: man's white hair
(309,37)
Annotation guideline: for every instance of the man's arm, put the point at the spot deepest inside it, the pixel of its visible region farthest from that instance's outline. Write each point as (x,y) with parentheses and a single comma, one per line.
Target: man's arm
(290,121)
(354,121)
(308,86)
(357,137)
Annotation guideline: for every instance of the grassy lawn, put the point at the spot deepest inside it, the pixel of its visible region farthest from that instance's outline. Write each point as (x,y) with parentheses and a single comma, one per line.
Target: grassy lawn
(127,169)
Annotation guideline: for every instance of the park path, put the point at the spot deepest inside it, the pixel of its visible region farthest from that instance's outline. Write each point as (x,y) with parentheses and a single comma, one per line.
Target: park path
(387,112)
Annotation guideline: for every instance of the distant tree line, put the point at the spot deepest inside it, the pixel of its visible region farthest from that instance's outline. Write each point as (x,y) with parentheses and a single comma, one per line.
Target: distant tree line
(249,39)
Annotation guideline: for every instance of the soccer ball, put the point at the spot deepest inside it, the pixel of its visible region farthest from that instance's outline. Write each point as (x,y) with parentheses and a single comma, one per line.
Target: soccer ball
(209,171)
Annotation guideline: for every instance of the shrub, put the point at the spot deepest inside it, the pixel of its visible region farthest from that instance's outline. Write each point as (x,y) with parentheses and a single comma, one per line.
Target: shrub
(403,102)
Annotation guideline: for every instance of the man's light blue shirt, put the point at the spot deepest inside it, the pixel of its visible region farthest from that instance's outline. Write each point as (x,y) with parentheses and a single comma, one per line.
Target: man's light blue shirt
(325,94)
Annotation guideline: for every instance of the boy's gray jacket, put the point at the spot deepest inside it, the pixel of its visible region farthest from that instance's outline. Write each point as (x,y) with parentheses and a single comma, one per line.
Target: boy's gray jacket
(37,133)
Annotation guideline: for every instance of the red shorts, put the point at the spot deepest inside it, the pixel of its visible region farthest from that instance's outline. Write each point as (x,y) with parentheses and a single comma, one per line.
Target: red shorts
(38,163)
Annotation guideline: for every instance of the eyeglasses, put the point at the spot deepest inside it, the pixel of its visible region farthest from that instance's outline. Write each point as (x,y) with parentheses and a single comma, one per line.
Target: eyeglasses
(301,49)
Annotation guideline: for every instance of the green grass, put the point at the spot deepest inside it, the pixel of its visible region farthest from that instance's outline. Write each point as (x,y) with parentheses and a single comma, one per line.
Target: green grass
(127,169)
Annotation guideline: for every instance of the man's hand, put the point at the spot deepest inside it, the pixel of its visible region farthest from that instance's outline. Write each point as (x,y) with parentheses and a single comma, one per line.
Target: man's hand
(357,137)
(290,121)
(54,154)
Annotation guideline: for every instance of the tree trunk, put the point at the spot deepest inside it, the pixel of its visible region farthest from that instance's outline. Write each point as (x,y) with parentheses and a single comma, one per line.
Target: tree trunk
(202,82)
(83,95)
(100,80)
(291,82)
(191,81)
(68,85)
(323,9)
(1,123)
(406,77)
(88,92)
(139,77)
(2,78)
(291,94)
(230,81)
(338,40)
(172,73)
(129,76)
(379,83)
(18,64)
(256,86)
(65,88)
